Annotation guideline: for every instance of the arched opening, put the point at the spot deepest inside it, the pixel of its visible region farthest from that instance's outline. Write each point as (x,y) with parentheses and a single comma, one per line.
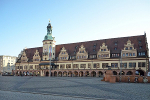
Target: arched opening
(60,74)
(93,74)
(100,74)
(55,73)
(65,73)
(80,74)
(139,72)
(75,73)
(122,73)
(47,73)
(129,73)
(87,73)
(114,73)
(69,74)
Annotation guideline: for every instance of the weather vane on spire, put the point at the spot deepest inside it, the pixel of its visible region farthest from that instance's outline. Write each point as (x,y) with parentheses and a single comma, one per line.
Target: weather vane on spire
(49,20)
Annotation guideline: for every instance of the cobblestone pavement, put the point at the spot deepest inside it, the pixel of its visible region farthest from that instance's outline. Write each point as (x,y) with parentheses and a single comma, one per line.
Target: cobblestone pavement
(69,88)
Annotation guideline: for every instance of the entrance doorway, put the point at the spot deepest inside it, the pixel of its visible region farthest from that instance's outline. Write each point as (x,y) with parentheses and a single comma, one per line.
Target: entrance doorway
(47,73)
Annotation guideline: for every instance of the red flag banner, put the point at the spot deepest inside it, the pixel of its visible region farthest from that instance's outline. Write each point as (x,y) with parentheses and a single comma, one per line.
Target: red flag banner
(50,51)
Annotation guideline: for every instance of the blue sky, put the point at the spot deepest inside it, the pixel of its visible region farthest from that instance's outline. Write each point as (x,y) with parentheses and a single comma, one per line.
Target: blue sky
(23,22)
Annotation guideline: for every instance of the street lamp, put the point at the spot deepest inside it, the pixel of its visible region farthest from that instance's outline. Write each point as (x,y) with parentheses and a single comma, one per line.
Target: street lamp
(121,66)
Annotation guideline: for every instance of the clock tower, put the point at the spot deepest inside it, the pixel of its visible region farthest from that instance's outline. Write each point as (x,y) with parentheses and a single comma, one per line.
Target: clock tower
(49,44)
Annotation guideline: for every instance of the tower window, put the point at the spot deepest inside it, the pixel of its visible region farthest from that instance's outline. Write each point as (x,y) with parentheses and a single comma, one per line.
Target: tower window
(140,47)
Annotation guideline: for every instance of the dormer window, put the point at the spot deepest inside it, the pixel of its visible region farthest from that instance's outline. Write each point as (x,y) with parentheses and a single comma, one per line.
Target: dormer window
(94,46)
(115,48)
(82,54)
(93,49)
(130,48)
(103,52)
(140,47)
(139,41)
(63,55)
(115,43)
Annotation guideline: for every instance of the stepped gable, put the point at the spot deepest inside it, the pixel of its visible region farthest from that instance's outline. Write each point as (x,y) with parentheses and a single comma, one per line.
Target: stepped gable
(89,45)
(30,52)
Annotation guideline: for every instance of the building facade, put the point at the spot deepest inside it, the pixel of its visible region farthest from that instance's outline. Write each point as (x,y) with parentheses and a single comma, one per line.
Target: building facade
(124,55)
(7,64)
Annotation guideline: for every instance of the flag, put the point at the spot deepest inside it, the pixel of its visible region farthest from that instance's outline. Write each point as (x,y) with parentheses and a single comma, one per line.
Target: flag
(50,51)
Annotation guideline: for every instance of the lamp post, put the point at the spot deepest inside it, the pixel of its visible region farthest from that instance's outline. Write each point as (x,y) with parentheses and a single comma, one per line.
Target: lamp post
(50,52)
(121,67)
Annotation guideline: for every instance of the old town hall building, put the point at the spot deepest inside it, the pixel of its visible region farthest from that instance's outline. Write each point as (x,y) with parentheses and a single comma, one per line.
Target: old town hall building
(128,55)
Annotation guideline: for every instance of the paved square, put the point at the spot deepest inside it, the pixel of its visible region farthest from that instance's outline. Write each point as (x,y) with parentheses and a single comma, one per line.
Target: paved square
(70,88)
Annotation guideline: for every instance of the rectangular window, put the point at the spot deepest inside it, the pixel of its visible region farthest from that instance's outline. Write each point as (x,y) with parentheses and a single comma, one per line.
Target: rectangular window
(75,66)
(123,65)
(82,65)
(31,66)
(130,48)
(123,54)
(143,64)
(89,65)
(96,65)
(68,66)
(130,54)
(139,64)
(133,54)
(114,65)
(126,54)
(104,65)
(132,64)
(62,66)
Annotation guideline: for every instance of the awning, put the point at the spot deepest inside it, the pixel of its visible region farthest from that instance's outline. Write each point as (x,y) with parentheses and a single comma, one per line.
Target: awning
(52,64)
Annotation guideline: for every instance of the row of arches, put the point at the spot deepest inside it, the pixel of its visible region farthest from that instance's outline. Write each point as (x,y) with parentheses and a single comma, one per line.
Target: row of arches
(75,74)
(59,73)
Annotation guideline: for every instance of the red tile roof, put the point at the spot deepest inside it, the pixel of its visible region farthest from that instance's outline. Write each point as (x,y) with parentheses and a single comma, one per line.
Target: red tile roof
(89,45)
